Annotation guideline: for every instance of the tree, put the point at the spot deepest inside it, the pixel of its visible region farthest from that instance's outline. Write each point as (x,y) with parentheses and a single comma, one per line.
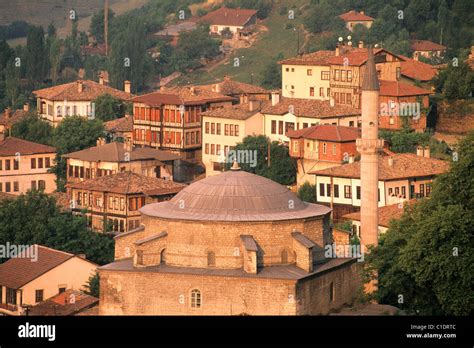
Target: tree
(280,168)
(33,128)
(36,55)
(455,82)
(35,218)
(271,75)
(97,24)
(307,192)
(109,108)
(12,83)
(92,287)
(426,255)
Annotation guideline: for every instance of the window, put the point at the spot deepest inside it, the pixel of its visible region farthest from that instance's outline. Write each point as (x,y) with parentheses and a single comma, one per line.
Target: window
(122,204)
(213,149)
(39,295)
(236,130)
(347,191)
(11,296)
(211,259)
(47,162)
(305,125)
(311,91)
(33,185)
(391,120)
(328,190)
(324,148)
(357,192)
(280,127)
(213,128)
(348,98)
(218,129)
(343,75)
(336,97)
(336,191)
(8,187)
(40,163)
(58,111)
(195,298)
(351,123)
(1,167)
(287,69)
(334,149)
(231,130)
(321,190)
(390,191)
(349,75)
(324,75)
(226,129)
(284,257)
(422,190)
(404,191)
(16,164)
(328,92)
(274,126)
(428,190)
(292,69)
(7,165)
(343,98)
(207,128)
(206,151)
(397,191)
(16,187)
(309,72)
(336,75)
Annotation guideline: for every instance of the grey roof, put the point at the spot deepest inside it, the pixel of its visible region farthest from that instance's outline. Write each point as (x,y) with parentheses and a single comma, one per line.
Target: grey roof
(152,237)
(235,195)
(115,152)
(249,243)
(303,240)
(370,82)
(287,272)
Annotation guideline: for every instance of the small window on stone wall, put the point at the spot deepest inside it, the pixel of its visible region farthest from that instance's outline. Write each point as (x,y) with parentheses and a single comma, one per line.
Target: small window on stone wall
(284,257)
(211,259)
(195,298)
(163,256)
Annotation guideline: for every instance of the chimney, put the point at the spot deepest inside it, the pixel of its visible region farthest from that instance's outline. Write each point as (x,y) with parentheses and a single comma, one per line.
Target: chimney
(390,161)
(81,73)
(192,90)
(351,159)
(217,88)
(26,107)
(275,98)
(427,152)
(420,151)
(8,113)
(361,44)
(80,86)
(100,142)
(101,79)
(253,105)
(226,78)
(127,86)
(338,50)
(362,12)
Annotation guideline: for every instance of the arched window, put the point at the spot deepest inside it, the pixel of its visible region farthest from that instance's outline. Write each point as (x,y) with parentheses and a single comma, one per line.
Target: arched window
(163,256)
(58,110)
(195,298)
(211,259)
(284,257)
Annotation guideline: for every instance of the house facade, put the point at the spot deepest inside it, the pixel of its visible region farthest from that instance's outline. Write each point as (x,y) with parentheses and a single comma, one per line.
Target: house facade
(353,18)
(427,49)
(223,128)
(39,273)
(233,19)
(25,165)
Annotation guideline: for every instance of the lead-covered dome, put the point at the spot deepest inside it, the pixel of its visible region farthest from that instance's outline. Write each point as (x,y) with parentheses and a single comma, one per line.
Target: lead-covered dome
(235,195)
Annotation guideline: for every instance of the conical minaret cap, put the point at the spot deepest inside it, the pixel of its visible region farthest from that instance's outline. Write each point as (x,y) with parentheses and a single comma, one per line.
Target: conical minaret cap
(370,82)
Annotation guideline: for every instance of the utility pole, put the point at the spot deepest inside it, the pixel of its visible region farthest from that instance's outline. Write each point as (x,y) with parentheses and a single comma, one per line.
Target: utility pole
(106,27)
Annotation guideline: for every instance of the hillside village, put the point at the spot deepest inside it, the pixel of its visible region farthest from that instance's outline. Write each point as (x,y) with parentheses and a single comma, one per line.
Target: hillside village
(182,151)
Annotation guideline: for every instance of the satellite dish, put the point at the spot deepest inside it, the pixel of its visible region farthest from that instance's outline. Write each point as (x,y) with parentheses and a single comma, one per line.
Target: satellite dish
(376,45)
(340,39)
(349,37)
(350,43)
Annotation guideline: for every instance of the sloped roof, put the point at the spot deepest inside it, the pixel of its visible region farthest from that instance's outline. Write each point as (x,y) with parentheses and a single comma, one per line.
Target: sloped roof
(70,91)
(68,302)
(181,96)
(405,165)
(354,56)
(310,108)
(122,124)
(19,271)
(235,112)
(314,58)
(426,45)
(15,117)
(230,87)
(229,16)
(115,152)
(386,213)
(353,15)
(417,70)
(400,89)
(235,195)
(326,132)
(11,146)
(129,183)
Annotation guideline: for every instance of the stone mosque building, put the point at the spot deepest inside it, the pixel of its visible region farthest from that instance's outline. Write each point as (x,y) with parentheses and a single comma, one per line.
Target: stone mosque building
(231,244)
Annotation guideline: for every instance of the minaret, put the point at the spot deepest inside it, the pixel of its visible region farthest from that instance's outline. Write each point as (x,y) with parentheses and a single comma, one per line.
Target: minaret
(369,147)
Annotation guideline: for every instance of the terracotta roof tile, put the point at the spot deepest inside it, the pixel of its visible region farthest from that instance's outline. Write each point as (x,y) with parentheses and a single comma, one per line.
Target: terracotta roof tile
(355,56)
(69,302)
(326,132)
(309,108)
(353,15)
(314,58)
(115,152)
(229,16)
(235,112)
(123,124)
(129,183)
(181,96)
(386,213)
(417,70)
(400,89)
(14,117)
(11,146)
(426,45)
(19,271)
(70,91)
(230,87)
(405,165)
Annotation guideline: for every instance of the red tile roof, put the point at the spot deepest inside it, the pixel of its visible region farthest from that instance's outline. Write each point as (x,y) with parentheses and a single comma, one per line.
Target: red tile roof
(69,302)
(182,96)
(354,56)
(326,132)
(229,16)
(400,89)
(386,213)
(70,91)
(314,58)
(416,70)
(11,146)
(405,165)
(123,124)
(309,108)
(236,112)
(129,183)
(426,45)
(14,117)
(115,152)
(353,16)
(24,268)
(231,88)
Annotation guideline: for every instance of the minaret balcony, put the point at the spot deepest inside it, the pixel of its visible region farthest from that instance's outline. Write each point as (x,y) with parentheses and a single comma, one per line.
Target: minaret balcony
(369,145)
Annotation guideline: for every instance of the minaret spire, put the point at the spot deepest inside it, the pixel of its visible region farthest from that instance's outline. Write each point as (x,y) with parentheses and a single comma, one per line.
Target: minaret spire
(369,147)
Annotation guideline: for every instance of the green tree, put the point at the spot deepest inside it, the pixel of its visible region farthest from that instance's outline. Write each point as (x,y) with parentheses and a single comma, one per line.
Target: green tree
(271,75)
(36,55)
(307,192)
(92,287)
(33,128)
(109,108)
(97,24)
(455,82)
(426,255)
(35,218)
(12,83)
(280,167)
